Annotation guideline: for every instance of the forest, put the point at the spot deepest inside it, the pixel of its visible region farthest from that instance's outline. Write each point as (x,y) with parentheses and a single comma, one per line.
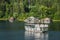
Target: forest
(21,9)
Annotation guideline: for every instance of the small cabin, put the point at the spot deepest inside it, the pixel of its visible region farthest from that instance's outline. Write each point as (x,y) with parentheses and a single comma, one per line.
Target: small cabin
(11,19)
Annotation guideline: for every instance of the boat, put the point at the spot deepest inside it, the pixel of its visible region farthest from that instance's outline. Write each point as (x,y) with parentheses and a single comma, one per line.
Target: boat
(37,28)
(35,25)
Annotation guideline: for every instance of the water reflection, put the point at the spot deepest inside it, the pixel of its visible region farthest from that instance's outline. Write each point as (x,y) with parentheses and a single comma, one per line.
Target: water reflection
(35,36)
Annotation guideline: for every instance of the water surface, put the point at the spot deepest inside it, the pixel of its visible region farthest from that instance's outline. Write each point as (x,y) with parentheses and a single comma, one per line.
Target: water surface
(24,35)
(15,32)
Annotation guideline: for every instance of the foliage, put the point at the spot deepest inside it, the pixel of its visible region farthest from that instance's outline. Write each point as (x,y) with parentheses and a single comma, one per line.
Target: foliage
(21,9)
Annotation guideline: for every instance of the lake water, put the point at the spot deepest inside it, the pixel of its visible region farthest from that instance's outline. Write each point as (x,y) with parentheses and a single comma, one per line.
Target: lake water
(17,34)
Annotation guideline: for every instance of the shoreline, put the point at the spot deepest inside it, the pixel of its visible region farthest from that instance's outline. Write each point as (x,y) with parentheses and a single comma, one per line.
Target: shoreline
(3,19)
(22,20)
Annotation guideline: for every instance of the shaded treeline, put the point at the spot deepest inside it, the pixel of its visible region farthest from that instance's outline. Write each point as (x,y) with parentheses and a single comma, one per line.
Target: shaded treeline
(21,9)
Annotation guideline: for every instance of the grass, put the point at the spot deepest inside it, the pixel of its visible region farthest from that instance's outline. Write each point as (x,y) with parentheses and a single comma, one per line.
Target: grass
(56,20)
(21,19)
(3,19)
